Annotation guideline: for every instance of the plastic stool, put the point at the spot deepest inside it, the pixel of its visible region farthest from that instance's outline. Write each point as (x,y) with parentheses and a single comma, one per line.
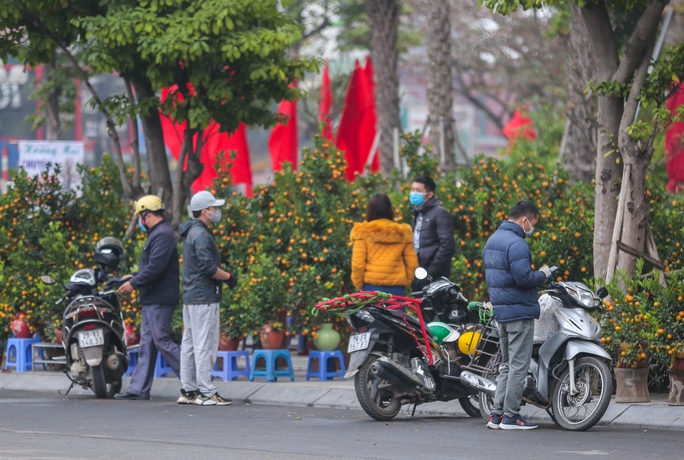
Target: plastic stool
(161,368)
(132,362)
(326,367)
(22,353)
(270,357)
(230,369)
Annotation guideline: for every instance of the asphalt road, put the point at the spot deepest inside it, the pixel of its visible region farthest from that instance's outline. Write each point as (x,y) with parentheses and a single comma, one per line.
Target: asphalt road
(38,425)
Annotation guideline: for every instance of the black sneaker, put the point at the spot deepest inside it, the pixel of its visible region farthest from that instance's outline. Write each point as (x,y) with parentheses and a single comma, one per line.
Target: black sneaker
(132,397)
(494,421)
(215,400)
(187,397)
(516,423)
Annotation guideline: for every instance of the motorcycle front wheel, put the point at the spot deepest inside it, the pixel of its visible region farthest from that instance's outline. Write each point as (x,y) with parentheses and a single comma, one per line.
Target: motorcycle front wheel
(380,404)
(471,405)
(593,387)
(101,388)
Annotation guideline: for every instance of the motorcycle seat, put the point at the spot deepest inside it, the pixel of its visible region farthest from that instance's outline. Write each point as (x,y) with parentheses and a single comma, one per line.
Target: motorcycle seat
(411,319)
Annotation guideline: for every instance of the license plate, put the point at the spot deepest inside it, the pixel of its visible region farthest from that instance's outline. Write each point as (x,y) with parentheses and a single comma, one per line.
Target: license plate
(91,338)
(358,342)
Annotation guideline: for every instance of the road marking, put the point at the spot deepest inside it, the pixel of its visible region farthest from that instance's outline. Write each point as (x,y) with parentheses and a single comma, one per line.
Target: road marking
(582,452)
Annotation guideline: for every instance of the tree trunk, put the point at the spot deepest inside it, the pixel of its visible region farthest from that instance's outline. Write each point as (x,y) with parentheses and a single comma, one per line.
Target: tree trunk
(615,115)
(610,108)
(383,16)
(53,126)
(580,146)
(440,82)
(157,164)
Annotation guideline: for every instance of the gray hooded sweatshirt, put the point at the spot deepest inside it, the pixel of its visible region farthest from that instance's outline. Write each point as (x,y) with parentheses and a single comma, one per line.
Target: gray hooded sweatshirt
(200,263)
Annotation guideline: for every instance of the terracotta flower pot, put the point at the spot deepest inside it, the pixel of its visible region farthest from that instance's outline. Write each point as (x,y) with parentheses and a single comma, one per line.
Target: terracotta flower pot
(228,344)
(632,385)
(20,328)
(57,332)
(271,339)
(132,336)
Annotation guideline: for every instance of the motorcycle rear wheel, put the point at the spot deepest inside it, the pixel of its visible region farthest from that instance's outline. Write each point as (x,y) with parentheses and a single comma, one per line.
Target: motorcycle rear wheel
(101,388)
(382,406)
(594,384)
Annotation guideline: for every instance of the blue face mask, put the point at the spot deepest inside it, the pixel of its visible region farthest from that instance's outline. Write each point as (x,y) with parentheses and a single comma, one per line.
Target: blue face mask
(142,227)
(416,198)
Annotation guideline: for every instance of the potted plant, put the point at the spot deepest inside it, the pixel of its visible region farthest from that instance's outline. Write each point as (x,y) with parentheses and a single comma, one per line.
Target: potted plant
(256,306)
(667,331)
(232,330)
(625,325)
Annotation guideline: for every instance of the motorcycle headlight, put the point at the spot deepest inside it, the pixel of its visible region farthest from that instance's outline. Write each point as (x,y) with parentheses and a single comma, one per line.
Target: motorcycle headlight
(582,297)
(365,316)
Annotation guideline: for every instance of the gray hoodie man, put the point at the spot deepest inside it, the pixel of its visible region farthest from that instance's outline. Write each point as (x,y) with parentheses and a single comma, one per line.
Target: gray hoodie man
(202,277)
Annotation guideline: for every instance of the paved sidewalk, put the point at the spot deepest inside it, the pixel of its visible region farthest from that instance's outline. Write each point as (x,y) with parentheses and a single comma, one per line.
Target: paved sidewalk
(339,394)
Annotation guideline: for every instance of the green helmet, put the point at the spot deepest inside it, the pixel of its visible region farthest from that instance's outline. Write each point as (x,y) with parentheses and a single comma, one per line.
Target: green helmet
(442,332)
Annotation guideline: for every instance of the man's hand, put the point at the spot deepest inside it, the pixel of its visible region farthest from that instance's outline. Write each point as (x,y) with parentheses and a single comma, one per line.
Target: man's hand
(546,271)
(232,281)
(126,288)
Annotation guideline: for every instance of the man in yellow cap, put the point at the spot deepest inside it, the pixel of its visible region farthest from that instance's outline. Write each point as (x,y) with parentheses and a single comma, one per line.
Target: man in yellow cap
(158,284)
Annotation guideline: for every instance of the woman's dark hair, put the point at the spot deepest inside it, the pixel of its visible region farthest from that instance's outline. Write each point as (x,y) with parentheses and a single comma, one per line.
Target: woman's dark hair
(379,207)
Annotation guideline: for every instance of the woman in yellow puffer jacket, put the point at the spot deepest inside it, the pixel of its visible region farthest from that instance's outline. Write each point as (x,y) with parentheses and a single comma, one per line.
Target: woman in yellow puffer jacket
(383,258)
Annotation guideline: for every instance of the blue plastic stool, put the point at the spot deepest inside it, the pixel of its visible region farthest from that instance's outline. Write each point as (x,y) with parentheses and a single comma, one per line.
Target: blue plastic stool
(22,353)
(230,369)
(132,362)
(326,367)
(161,368)
(270,357)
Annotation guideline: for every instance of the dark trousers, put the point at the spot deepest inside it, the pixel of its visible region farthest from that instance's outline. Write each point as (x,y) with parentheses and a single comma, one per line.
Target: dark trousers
(155,335)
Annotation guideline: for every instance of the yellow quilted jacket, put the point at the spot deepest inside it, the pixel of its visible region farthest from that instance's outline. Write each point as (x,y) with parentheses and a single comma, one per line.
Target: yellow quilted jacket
(382,253)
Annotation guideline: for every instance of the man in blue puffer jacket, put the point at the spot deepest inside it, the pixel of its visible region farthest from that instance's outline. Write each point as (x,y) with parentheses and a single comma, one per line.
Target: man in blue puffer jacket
(513,293)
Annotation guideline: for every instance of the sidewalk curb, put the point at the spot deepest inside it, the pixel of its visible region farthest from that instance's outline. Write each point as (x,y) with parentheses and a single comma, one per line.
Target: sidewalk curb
(656,415)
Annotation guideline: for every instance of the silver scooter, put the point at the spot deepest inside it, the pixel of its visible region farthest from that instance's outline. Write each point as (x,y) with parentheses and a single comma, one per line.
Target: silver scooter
(569,375)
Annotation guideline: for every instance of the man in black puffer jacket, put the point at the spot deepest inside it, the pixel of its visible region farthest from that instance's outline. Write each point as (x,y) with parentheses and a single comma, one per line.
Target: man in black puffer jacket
(158,284)
(433,230)
(513,293)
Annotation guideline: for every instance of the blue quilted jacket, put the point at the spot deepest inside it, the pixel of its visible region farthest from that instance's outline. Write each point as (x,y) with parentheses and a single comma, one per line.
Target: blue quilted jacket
(511,281)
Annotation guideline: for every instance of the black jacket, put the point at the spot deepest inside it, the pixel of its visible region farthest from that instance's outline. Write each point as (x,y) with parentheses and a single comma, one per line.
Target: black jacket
(159,275)
(511,281)
(200,264)
(437,245)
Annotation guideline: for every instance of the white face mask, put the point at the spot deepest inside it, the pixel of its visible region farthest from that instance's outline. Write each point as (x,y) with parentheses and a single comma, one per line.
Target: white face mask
(215,216)
(530,231)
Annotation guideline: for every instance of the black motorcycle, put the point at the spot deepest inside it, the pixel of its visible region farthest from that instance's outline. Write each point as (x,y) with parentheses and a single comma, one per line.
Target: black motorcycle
(400,358)
(93,333)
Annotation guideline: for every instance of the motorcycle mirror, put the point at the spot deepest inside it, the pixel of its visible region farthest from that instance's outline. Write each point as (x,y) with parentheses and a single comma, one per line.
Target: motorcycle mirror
(47,279)
(602,292)
(421,273)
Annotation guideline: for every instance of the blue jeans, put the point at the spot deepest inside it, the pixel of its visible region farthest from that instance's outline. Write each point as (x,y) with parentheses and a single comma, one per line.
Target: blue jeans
(394,290)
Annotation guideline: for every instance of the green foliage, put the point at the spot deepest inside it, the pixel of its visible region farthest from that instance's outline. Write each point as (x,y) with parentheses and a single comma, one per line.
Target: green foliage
(228,58)
(643,321)
(45,229)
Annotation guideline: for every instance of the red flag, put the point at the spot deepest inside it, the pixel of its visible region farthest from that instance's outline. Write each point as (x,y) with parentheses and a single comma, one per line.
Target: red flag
(520,125)
(326,104)
(213,142)
(283,143)
(674,145)
(357,128)
(370,75)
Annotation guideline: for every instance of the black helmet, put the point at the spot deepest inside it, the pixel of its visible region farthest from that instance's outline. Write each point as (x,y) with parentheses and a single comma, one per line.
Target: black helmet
(108,252)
